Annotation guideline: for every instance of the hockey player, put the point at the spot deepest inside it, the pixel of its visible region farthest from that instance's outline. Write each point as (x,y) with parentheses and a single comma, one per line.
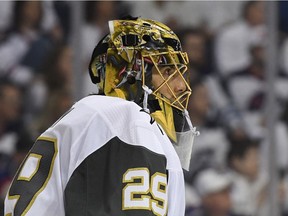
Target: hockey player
(114,153)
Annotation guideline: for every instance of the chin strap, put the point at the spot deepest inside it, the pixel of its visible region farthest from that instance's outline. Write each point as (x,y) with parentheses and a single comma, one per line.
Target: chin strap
(147,92)
(193,129)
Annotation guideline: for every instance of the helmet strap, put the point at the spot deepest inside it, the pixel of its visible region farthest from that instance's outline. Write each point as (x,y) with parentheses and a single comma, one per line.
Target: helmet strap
(193,129)
(147,92)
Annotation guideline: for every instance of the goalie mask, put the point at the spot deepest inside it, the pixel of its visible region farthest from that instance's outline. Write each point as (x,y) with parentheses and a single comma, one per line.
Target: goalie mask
(141,60)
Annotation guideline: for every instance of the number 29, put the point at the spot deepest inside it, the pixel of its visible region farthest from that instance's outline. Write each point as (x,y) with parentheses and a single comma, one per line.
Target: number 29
(141,193)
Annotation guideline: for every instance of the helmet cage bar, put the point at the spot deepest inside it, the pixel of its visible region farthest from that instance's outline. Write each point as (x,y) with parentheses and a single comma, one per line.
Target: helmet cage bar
(180,101)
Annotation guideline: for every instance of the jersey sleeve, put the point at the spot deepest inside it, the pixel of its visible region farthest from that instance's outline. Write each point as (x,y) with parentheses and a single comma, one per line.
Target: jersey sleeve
(35,189)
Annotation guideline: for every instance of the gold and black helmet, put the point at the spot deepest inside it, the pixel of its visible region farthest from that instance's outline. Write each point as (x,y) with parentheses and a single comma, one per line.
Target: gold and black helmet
(122,64)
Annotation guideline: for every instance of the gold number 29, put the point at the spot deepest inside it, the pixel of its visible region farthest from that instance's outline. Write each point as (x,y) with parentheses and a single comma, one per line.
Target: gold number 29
(144,193)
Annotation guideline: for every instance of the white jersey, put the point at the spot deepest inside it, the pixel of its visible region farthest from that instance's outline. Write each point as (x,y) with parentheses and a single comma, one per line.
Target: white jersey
(106,156)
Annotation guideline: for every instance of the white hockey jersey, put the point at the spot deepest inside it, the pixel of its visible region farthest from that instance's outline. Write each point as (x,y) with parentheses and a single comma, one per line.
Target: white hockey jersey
(105,156)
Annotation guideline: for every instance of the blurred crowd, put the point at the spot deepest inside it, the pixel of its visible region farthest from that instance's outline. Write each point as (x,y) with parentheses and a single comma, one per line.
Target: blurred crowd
(226,44)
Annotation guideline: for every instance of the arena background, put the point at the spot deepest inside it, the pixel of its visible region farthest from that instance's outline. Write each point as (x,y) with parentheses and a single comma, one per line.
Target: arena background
(239,75)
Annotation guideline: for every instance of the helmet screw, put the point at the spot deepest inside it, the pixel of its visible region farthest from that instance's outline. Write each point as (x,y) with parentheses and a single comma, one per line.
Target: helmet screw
(131,79)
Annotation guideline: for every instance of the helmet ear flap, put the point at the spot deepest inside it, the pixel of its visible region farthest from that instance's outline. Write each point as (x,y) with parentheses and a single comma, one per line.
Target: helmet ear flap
(100,49)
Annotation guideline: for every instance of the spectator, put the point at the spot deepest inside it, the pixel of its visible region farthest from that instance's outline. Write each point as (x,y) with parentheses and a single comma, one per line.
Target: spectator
(199,104)
(247,90)
(194,42)
(64,15)
(10,110)
(234,41)
(14,138)
(214,191)
(210,148)
(26,45)
(249,183)
(57,69)
(55,75)
(250,80)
